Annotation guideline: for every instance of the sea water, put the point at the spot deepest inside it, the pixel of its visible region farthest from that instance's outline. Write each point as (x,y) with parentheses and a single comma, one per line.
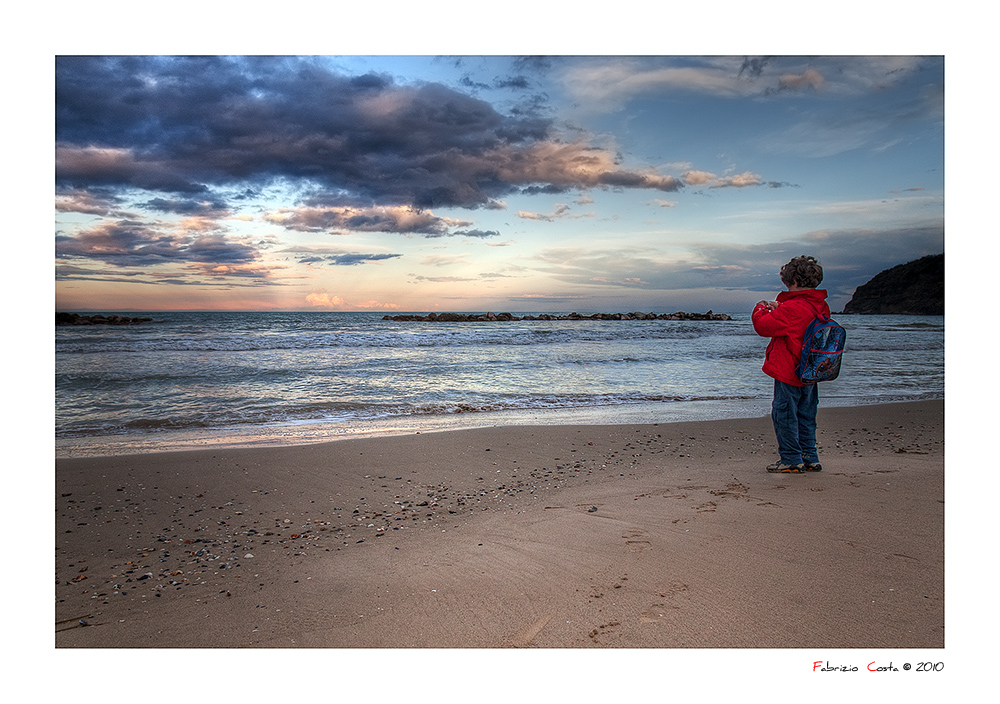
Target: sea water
(192,379)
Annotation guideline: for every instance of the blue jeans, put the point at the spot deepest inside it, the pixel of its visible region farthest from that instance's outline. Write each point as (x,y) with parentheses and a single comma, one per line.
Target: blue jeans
(793,412)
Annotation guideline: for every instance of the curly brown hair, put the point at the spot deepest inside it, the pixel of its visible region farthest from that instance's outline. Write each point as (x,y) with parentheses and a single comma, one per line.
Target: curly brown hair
(804,272)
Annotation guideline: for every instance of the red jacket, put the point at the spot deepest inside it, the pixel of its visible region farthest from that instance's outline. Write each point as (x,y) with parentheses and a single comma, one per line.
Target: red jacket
(786,326)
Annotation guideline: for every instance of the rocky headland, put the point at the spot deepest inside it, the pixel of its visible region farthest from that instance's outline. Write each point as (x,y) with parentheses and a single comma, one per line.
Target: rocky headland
(914,288)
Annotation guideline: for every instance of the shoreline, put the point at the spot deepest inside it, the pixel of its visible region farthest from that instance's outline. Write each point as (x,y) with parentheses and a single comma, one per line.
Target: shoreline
(666,535)
(303,433)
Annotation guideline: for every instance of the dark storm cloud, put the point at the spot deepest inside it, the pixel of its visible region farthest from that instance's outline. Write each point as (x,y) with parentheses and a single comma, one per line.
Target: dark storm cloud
(189,126)
(546,190)
(380,219)
(130,243)
(89,203)
(512,82)
(753,67)
(104,167)
(533,64)
(188,206)
(67,272)
(348,259)
(482,234)
(182,124)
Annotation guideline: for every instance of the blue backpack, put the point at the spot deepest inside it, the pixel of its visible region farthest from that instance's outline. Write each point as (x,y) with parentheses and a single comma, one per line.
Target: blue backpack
(822,350)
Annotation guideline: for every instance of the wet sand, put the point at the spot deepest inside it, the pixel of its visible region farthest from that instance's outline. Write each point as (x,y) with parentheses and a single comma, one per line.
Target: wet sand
(555,537)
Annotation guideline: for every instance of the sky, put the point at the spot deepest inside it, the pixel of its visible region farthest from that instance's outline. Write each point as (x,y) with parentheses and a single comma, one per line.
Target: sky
(527,183)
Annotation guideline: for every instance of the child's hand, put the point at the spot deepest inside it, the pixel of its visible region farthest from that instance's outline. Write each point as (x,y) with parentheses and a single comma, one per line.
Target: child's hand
(770,305)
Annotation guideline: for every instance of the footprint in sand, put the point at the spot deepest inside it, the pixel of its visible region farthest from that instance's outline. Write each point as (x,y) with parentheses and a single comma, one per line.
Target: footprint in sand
(603,629)
(525,636)
(656,613)
(660,611)
(732,490)
(634,542)
(707,507)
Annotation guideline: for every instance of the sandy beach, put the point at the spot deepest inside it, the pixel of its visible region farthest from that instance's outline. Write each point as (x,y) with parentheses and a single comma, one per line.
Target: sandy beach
(623,536)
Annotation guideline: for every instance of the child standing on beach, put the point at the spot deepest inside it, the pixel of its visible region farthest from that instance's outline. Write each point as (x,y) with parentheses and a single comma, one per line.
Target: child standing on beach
(793,409)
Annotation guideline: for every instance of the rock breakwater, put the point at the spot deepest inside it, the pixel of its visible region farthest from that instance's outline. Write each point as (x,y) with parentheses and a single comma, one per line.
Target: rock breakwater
(502,317)
(77,319)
